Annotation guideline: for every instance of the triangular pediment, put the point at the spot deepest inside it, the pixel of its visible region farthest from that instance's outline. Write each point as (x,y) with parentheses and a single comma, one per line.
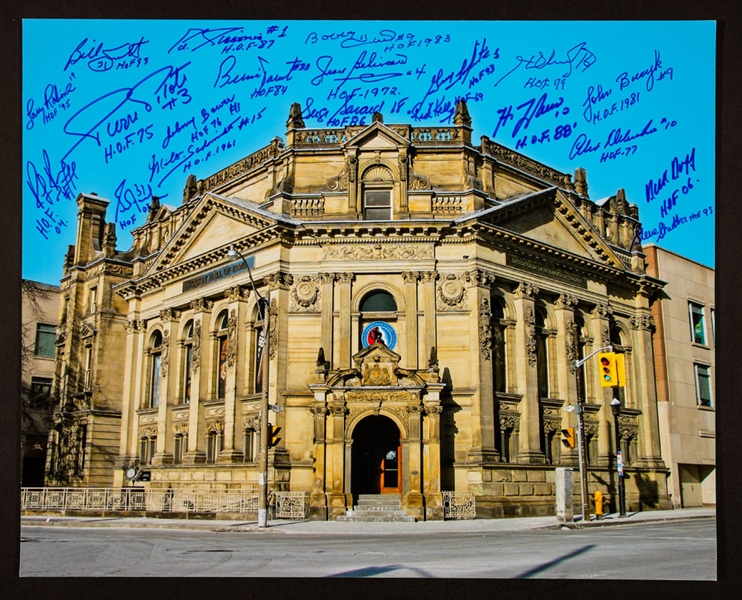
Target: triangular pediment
(377,137)
(550,218)
(213,223)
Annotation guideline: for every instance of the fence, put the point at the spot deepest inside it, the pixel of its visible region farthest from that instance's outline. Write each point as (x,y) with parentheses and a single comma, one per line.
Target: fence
(458,505)
(286,505)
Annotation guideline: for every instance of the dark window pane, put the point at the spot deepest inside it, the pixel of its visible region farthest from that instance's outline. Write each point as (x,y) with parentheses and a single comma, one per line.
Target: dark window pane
(378,199)
(378,302)
(45,338)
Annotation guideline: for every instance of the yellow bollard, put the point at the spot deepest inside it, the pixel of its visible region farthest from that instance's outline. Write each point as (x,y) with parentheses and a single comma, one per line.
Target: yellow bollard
(598,505)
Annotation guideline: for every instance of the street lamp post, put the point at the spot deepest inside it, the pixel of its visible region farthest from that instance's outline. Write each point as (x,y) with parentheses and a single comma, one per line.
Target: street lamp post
(616,408)
(264,305)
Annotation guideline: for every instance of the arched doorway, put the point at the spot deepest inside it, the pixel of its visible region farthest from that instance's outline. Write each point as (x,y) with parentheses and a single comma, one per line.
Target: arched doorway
(376,464)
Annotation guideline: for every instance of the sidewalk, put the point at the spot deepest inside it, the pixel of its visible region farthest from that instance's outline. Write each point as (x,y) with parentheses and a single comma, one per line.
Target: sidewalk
(336,528)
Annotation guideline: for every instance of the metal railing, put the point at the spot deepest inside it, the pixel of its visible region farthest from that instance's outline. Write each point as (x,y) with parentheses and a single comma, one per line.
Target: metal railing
(458,505)
(287,505)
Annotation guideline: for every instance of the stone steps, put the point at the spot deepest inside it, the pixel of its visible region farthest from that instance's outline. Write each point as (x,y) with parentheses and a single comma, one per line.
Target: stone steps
(377,508)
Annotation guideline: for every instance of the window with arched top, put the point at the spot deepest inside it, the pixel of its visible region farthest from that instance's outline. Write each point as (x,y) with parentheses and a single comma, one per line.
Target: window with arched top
(154,350)
(378,301)
(221,347)
(499,351)
(185,397)
(377,193)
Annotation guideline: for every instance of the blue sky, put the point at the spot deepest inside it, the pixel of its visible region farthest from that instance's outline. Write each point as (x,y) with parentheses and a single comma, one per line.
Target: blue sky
(127,109)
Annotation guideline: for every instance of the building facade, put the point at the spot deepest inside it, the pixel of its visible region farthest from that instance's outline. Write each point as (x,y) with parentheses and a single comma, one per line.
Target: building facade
(39,311)
(684,347)
(428,300)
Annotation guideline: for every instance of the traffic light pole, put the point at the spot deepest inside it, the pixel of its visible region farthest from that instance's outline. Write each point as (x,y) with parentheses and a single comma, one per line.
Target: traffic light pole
(581,432)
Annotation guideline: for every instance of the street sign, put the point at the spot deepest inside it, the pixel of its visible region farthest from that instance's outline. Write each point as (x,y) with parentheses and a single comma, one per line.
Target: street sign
(620,463)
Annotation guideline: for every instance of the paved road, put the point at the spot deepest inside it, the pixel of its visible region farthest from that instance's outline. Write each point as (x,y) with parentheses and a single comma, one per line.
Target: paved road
(673,550)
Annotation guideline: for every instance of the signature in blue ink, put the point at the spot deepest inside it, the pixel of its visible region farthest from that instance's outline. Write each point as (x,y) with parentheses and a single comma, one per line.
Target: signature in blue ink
(531,109)
(128,197)
(222,37)
(617,136)
(578,57)
(363,62)
(225,77)
(583,145)
(49,186)
(100,58)
(166,85)
(53,99)
(656,68)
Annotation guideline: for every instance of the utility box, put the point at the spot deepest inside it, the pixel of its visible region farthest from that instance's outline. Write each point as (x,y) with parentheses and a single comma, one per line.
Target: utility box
(564,499)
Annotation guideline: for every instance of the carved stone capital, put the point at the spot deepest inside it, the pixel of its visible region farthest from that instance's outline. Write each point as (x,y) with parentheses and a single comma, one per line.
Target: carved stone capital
(134,326)
(566,301)
(280,280)
(202,304)
(318,411)
(410,276)
(169,314)
(481,277)
(428,276)
(236,293)
(327,277)
(415,409)
(602,310)
(526,290)
(345,278)
(644,322)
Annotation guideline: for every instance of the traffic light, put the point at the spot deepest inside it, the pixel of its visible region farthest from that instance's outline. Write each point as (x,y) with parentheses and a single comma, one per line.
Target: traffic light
(621,369)
(273,438)
(608,369)
(568,437)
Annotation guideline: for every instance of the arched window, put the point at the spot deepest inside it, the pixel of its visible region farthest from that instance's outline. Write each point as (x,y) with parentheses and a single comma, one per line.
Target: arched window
(155,364)
(221,362)
(187,362)
(377,194)
(378,301)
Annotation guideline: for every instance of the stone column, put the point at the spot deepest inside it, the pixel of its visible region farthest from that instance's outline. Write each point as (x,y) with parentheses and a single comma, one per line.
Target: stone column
(342,359)
(410,280)
(649,433)
(168,373)
(335,457)
(317,497)
(482,411)
(128,447)
(529,450)
(566,370)
(413,498)
(603,396)
(235,339)
(432,453)
(328,295)
(196,452)
(428,278)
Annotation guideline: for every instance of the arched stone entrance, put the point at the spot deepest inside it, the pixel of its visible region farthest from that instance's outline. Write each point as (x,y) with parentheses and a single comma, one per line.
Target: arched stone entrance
(376,461)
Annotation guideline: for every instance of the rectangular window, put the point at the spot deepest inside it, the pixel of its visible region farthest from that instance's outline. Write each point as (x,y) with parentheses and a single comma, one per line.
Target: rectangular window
(93,300)
(45,338)
(377,205)
(703,385)
(698,329)
(41,388)
(713,324)
(154,391)
(249,444)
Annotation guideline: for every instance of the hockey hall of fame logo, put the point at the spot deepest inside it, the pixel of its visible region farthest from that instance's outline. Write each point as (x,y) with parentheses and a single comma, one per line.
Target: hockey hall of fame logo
(379,331)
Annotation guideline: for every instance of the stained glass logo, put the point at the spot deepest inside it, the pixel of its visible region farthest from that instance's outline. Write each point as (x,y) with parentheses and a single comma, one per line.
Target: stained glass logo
(379,331)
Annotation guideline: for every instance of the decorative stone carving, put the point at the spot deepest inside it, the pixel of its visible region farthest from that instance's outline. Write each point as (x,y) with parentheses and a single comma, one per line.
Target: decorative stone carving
(606,336)
(251,422)
(480,277)
(180,428)
(215,426)
(134,326)
(352,168)
(279,280)
(305,295)
(566,301)
(410,276)
(202,304)
(485,329)
(603,310)
(237,293)
(531,336)
(451,292)
(510,422)
(196,347)
(165,360)
(377,252)
(428,276)
(526,290)
(419,182)
(571,338)
(402,163)
(338,411)
(415,409)
(377,374)
(232,338)
(326,277)
(645,322)
(378,173)
(274,329)
(434,410)
(169,314)
(295,120)
(318,411)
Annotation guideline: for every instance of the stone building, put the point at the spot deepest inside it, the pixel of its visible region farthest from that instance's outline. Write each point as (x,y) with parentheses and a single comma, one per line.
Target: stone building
(685,357)
(39,309)
(428,298)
